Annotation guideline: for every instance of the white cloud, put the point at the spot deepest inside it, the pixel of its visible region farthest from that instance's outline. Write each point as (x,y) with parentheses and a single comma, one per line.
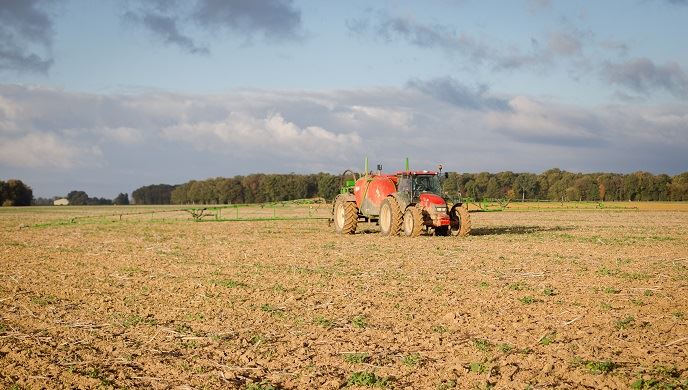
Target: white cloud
(271,135)
(39,150)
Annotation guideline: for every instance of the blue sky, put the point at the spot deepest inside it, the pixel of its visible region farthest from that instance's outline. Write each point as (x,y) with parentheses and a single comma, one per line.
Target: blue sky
(106,96)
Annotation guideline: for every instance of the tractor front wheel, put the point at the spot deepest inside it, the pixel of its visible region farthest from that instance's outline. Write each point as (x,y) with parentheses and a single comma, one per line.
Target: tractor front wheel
(390,217)
(413,222)
(345,217)
(459,221)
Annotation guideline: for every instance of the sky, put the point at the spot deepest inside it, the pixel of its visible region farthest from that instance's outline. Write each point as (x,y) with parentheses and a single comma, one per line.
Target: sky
(105,96)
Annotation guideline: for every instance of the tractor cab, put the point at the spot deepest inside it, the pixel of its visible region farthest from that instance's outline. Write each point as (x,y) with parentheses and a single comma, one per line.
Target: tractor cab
(413,184)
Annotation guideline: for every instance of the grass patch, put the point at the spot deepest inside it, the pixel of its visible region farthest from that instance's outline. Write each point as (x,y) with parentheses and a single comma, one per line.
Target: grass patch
(477,367)
(367,379)
(482,345)
(272,310)
(412,359)
(439,329)
(549,292)
(256,340)
(324,322)
(229,283)
(355,358)
(506,348)
(359,322)
(548,339)
(44,300)
(600,367)
(264,385)
(527,300)
(625,323)
(518,286)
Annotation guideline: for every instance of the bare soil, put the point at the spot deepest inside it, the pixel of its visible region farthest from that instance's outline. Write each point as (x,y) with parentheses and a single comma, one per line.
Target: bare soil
(539,298)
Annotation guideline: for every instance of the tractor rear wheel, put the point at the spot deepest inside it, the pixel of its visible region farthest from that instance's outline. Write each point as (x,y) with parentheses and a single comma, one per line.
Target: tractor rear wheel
(345,217)
(459,221)
(390,217)
(413,222)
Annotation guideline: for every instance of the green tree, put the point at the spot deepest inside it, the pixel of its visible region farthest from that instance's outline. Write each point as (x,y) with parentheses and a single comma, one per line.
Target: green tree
(121,199)
(77,198)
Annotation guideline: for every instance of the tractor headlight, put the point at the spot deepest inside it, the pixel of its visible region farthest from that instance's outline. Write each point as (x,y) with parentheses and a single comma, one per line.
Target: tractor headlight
(441,209)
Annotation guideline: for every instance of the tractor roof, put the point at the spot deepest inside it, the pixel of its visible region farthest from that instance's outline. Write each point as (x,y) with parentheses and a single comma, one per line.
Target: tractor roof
(399,173)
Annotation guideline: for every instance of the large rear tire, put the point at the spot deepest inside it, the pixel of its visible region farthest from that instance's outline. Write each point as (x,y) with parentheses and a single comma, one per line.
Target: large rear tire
(413,222)
(345,217)
(390,217)
(459,221)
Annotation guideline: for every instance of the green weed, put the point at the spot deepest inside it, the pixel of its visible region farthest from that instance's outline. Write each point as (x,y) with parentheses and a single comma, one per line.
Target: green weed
(264,385)
(506,348)
(439,329)
(367,379)
(518,286)
(324,322)
(266,307)
(359,322)
(256,340)
(477,367)
(229,283)
(600,367)
(548,339)
(648,293)
(611,290)
(549,292)
(482,345)
(356,357)
(625,323)
(44,300)
(182,328)
(527,300)
(412,359)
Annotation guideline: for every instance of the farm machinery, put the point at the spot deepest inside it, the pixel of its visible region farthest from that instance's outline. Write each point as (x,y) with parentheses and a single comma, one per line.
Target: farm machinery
(406,201)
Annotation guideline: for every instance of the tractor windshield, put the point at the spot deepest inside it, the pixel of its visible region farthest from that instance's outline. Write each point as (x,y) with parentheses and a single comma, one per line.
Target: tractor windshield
(426,183)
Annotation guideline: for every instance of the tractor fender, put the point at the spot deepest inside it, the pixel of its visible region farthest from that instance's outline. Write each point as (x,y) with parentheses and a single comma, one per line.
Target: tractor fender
(402,200)
(344,198)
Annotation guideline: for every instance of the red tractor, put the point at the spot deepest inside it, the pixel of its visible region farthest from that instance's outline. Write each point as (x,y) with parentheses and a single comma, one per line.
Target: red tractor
(406,201)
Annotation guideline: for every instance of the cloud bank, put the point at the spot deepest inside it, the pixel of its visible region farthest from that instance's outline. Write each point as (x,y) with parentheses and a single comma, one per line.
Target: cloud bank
(128,140)
(271,20)
(25,36)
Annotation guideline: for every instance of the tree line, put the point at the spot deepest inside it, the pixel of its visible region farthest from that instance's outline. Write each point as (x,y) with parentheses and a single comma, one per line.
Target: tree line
(558,185)
(553,184)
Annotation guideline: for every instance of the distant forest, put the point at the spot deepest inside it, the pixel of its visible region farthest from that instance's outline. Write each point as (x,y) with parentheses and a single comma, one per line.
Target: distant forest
(554,184)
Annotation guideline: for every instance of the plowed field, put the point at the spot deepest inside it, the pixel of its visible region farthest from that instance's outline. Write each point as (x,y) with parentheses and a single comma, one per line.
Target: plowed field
(540,298)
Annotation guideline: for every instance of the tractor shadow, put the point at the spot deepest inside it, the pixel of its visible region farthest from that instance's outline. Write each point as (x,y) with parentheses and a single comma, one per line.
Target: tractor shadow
(499,230)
